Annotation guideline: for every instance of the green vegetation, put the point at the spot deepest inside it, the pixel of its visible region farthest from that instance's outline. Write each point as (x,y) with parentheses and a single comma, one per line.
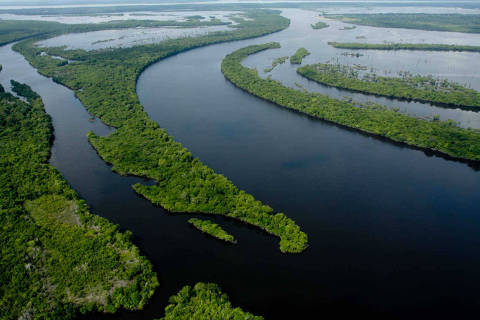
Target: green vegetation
(105,83)
(204,301)
(57,259)
(440,136)
(212,229)
(404,46)
(319,25)
(437,22)
(195,17)
(14,30)
(275,63)
(407,86)
(299,55)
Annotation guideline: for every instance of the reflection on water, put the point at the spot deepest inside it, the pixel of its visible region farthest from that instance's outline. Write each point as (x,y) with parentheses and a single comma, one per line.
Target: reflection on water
(125,37)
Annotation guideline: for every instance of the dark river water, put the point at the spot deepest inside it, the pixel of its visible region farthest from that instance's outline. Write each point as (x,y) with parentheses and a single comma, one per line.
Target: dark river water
(393,231)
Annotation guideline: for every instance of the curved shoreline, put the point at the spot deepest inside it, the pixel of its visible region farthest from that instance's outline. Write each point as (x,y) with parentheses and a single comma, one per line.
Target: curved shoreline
(232,59)
(134,125)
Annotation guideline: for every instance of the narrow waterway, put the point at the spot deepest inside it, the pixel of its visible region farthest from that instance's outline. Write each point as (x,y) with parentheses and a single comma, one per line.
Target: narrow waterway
(393,232)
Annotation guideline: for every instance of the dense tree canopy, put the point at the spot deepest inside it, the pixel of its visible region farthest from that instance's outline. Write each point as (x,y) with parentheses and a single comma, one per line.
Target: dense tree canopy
(204,301)
(56,259)
(298,56)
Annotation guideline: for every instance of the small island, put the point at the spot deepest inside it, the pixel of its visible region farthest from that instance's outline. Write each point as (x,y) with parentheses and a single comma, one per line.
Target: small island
(275,63)
(319,25)
(299,55)
(212,229)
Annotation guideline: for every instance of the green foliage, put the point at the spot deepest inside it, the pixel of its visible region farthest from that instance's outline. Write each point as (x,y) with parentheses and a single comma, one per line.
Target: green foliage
(299,55)
(424,21)
(105,83)
(57,259)
(319,25)
(212,229)
(204,301)
(24,90)
(441,136)
(407,86)
(275,63)
(404,46)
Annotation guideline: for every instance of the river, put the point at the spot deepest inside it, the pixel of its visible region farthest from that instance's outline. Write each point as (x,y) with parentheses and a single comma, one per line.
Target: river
(393,231)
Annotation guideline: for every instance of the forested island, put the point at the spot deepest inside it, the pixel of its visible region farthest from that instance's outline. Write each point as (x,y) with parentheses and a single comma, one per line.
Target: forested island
(441,136)
(454,22)
(105,83)
(319,25)
(403,46)
(212,229)
(275,63)
(406,86)
(204,301)
(57,259)
(297,58)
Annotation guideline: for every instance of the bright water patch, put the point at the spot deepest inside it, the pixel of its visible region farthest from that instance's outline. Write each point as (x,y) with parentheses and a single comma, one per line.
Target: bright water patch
(125,37)
(225,16)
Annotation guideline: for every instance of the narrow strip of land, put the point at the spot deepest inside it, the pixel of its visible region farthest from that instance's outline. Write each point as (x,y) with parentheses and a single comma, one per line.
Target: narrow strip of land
(440,136)
(212,229)
(404,46)
(406,86)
